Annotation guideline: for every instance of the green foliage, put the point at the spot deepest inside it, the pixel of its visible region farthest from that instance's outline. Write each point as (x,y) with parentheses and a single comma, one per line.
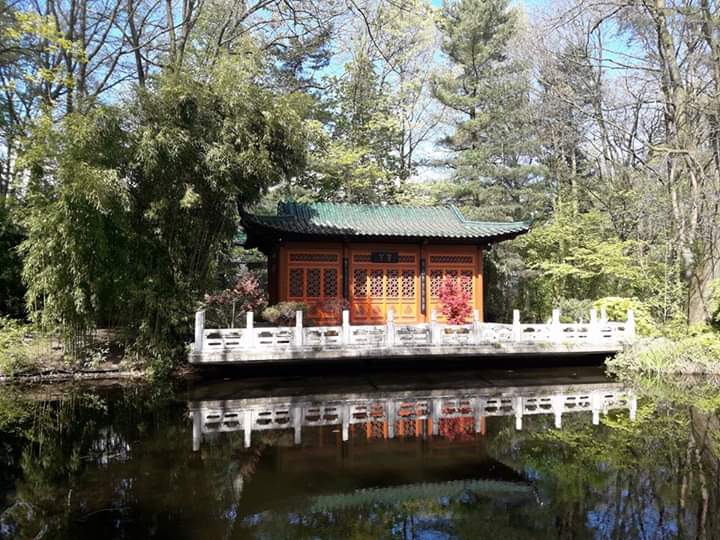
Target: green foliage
(579,256)
(11,289)
(715,303)
(133,209)
(352,156)
(573,310)
(283,313)
(76,254)
(15,352)
(494,142)
(617,307)
(694,355)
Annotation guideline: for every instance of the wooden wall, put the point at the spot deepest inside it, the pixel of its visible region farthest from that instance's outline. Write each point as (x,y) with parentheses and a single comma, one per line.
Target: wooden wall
(374,278)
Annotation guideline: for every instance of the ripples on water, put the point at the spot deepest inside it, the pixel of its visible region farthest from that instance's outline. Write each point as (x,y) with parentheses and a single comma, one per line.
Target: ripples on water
(562,453)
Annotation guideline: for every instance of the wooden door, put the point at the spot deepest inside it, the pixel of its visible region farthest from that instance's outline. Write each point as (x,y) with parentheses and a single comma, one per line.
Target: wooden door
(375,287)
(461,264)
(313,277)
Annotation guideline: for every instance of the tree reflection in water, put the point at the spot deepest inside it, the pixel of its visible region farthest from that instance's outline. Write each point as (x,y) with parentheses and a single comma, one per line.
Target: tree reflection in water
(91,463)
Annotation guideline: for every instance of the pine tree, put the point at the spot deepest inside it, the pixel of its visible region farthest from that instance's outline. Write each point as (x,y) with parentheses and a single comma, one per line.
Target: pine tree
(354,157)
(493,144)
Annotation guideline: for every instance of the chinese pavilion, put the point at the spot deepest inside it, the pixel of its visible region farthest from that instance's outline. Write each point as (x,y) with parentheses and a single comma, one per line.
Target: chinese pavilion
(374,257)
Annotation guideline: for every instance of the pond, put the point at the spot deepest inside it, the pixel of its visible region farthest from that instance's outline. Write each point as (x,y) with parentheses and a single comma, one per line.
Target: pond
(551,453)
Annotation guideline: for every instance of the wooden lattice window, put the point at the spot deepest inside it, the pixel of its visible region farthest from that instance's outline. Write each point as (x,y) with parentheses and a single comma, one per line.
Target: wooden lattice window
(312,278)
(460,267)
(466,281)
(451,259)
(376,283)
(393,283)
(360,283)
(463,277)
(313,283)
(297,282)
(408,284)
(314,257)
(330,282)
(379,284)
(436,277)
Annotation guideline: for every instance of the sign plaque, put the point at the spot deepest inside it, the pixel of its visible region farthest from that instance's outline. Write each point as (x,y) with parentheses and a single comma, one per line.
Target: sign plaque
(384,257)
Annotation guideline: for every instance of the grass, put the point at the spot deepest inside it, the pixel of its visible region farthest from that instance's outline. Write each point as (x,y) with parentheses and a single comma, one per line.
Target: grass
(15,348)
(23,349)
(690,355)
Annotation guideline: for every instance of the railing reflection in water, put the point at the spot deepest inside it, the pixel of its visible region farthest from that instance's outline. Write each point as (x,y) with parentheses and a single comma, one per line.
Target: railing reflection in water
(386,415)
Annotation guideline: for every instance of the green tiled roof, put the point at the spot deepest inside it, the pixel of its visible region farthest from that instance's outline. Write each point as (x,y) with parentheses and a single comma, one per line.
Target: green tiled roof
(335,219)
(427,491)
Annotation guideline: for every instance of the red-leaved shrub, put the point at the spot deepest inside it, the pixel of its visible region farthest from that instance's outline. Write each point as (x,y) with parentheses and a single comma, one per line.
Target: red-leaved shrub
(455,301)
(225,308)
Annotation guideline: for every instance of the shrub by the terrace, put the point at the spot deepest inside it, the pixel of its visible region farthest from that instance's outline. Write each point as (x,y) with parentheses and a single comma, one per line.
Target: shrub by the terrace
(334,306)
(226,308)
(283,314)
(617,307)
(692,355)
(455,301)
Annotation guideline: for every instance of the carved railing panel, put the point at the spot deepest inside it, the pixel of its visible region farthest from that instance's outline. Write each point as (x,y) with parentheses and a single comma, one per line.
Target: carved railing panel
(434,334)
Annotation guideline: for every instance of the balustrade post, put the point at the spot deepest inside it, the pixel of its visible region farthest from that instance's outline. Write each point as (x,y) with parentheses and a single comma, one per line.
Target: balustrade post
(519,406)
(630,325)
(596,404)
(594,327)
(346,327)
(434,334)
(476,327)
(558,402)
(390,328)
(603,315)
(199,331)
(346,423)
(477,407)
(436,414)
(197,430)
(298,328)
(247,428)
(391,415)
(556,328)
(249,330)
(633,408)
(297,425)
(516,329)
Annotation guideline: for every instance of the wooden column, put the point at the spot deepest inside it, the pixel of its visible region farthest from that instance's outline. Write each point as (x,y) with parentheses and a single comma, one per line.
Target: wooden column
(480,283)
(424,314)
(274,275)
(345,283)
(277,275)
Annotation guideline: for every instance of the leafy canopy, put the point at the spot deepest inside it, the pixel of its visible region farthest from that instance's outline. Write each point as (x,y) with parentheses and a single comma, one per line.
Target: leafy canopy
(131,207)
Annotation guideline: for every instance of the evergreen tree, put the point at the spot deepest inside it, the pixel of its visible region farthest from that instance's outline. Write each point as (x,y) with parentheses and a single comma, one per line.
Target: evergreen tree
(493,143)
(353,156)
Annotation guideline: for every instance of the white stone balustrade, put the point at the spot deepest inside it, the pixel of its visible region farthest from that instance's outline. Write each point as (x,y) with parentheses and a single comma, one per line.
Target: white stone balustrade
(258,414)
(394,334)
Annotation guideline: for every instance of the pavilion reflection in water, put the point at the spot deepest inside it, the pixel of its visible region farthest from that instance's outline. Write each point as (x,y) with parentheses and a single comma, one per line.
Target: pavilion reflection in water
(445,414)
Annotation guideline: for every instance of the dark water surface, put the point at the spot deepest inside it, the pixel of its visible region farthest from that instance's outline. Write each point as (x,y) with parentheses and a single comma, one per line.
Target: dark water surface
(556,453)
